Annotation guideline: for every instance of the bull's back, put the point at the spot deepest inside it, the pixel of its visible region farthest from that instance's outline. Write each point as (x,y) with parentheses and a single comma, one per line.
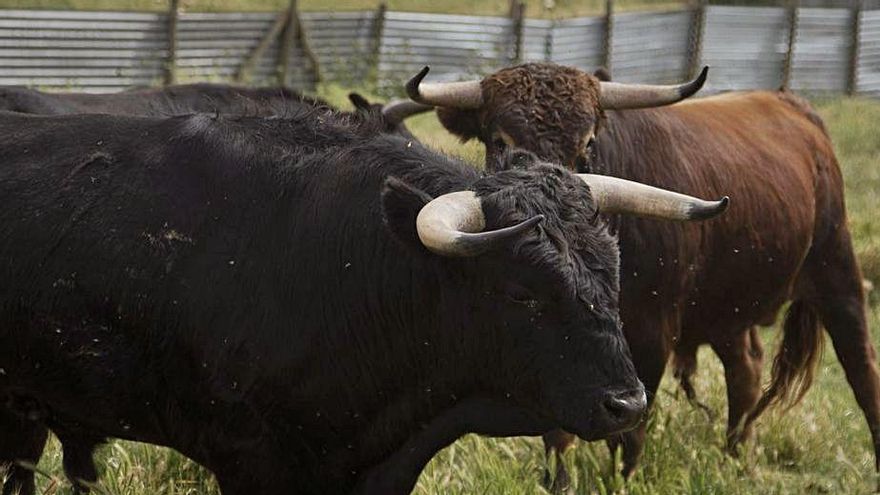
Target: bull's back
(765,154)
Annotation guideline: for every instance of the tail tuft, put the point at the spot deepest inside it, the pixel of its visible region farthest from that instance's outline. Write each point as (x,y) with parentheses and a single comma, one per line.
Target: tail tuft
(795,363)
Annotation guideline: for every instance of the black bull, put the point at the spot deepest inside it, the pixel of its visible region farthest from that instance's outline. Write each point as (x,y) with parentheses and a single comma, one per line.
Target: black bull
(228,287)
(200,98)
(165,101)
(187,99)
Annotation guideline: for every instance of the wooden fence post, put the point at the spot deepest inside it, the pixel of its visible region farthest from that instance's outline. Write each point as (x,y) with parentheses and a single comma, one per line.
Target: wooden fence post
(286,46)
(695,39)
(548,41)
(171,59)
(517,14)
(792,39)
(607,38)
(303,39)
(247,68)
(295,28)
(378,33)
(852,80)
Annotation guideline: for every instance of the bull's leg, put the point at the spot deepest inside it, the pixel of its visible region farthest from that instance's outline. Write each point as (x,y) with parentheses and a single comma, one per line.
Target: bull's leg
(78,463)
(837,280)
(742,355)
(685,366)
(21,440)
(556,443)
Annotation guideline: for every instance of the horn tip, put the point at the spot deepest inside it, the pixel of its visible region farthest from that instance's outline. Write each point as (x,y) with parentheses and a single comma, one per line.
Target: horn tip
(412,86)
(710,209)
(692,87)
(535,220)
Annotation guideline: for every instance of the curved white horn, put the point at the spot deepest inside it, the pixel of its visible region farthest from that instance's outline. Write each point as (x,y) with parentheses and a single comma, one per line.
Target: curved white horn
(620,96)
(397,111)
(615,195)
(453,225)
(464,94)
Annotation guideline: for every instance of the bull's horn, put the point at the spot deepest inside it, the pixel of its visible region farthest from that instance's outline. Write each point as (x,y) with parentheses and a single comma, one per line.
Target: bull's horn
(452,225)
(399,110)
(619,96)
(464,95)
(614,195)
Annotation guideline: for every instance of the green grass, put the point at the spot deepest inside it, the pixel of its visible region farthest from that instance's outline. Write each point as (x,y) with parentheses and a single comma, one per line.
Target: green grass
(534,8)
(821,446)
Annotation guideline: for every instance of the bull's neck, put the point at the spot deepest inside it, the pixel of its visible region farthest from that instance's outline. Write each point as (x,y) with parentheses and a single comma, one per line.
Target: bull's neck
(630,141)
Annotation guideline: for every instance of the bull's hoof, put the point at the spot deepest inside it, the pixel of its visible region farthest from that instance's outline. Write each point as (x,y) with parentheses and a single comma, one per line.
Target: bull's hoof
(558,485)
(710,414)
(734,444)
(547,480)
(561,485)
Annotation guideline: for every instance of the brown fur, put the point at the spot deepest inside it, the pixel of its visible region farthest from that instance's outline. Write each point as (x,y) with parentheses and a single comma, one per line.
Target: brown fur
(770,153)
(795,363)
(683,285)
(525,101)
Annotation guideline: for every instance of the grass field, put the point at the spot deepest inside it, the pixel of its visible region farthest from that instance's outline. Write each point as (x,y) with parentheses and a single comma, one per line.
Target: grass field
(820,447)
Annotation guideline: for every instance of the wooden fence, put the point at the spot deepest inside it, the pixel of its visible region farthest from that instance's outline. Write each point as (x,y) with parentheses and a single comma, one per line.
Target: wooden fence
(808,49)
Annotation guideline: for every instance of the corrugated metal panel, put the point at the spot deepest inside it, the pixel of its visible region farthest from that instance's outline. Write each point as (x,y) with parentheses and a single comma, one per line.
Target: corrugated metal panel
(89,50)
(343,43)
(537,40)
(213,47)
(868,81)
(100,51)
(650,47)
(746,47)
(822,50)
(454,46)
(579,42)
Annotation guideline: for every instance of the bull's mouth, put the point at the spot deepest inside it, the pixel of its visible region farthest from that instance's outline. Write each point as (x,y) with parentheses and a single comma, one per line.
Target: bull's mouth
(618,411)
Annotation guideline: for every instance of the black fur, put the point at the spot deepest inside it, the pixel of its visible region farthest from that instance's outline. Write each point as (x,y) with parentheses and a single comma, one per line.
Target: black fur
(165,101)
(228,287)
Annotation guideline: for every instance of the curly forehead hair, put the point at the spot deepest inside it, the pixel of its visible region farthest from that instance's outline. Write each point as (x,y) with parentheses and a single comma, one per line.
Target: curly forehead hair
(581,251)
(549,107)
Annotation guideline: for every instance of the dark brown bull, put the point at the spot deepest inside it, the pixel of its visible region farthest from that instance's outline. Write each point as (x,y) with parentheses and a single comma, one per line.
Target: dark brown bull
(785,237)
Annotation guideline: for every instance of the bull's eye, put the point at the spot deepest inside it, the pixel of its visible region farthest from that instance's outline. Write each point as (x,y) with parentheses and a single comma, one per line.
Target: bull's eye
(591,144)
(499,143)
(584,161)
(521,295)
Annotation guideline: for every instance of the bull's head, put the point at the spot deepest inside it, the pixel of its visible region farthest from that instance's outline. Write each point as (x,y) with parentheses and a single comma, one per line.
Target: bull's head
(546,298)
(548,109)
(392,113)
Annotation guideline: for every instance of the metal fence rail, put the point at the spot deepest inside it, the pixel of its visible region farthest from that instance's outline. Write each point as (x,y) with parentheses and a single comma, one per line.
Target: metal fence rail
(833,50)
(455,46)
(822,50)
(94,51)
(868,81)
(745,47)
(651,46)
(344,43)
(578,42)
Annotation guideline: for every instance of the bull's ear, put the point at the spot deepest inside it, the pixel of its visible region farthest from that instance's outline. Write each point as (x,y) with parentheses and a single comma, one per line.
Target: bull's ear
(602,74)
(463,123)
(401,204)
(359,102)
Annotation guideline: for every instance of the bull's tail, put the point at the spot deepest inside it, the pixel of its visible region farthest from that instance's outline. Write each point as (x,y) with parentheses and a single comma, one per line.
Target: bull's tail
(795,362)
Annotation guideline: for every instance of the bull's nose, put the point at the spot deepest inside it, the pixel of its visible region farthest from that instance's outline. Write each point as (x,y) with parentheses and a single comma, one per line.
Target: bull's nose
(624,409)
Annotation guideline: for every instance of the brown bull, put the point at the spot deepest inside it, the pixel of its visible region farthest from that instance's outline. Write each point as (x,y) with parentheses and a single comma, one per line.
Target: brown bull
(785,237)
